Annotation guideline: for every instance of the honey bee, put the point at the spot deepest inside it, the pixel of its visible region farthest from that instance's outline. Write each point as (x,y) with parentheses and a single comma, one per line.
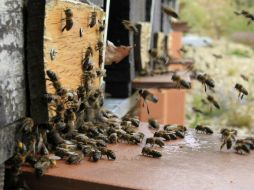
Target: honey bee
(146,151)
(197,110)
(153,123)
(204,129)
(86,64)
(246,14)
(147,96)
(244,77)
(93,19)
(56,83)
(169,11)
(99,46)
(154,140)
(242,146)
(95,155)
(113,138)
(75,158)
(153,53)
(109,153)
(228,140)
(206,80)
(180,82)
(130,26)
(27,125)
(102,25)
(212,101)
(43,164)
(55,138)
(217,56)
(69,22)
(242,91)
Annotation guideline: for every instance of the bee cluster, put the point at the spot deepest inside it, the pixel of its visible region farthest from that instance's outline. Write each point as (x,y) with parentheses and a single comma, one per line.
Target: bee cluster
(241,146)
(169,132)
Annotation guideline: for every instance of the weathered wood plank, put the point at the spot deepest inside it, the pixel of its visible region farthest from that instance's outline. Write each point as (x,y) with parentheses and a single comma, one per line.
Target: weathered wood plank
(12,80)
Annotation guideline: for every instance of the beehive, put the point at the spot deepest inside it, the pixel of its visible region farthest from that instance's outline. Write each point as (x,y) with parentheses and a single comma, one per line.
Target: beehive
(59,50)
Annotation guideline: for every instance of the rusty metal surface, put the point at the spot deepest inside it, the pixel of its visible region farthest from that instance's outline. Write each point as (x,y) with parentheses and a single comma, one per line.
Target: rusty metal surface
(192,163)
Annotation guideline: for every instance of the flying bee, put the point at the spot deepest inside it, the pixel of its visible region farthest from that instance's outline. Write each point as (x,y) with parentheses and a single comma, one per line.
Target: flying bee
(246,14)
(242,91)
(154,140)
(147,96)
(169,11)
(146,151)
(197,110)
(153,123)
(109,153)
(180,82)
(131,26)
(212,101)
(153,53)
(217,56)
(204,129)
(183,50)
(244,77)
(93,19)
(75,158)
(206,80)
(68,18)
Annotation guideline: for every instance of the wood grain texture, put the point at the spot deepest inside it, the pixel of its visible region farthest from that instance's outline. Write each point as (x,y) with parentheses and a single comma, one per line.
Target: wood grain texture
(69,45)
(46,19)
(12,86)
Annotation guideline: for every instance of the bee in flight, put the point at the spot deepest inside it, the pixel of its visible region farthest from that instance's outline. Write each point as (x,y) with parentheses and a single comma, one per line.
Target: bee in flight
(242,91)
(246,14)
(170,12)
(206,80)
(131,26)
(180,82)
(147,96)
(212,101)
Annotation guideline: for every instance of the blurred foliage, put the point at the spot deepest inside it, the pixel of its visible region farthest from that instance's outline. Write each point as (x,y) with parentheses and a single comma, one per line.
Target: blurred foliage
(216,18)
(239,53)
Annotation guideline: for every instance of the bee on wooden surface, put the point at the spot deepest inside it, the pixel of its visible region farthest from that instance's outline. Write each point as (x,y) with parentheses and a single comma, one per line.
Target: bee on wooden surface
(107,152)
(95,155)
(228,137)
(43,164)
(153,123)
(139,136)
(204,129)
(99,46)
(242,147)
(102,25)
(242,91)
(93,19)
(212,101)
(62,152)
(163,134)
(146,151)
(68,18)
(147,96)
(75,158)
(169,11)
(55,138)
(56,83)
(153,140)
(206,80)
(131,26)
(113,138)
(180,82)
(86,64)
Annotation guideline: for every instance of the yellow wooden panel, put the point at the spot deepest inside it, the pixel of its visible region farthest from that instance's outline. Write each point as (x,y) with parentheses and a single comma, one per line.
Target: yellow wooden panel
(69,45)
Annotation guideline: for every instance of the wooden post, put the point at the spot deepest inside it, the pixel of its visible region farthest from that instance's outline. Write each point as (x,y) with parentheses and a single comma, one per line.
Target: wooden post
(12,78)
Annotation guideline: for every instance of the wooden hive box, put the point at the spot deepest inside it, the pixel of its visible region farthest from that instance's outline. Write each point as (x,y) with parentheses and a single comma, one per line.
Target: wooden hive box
(46,20)
(142,43)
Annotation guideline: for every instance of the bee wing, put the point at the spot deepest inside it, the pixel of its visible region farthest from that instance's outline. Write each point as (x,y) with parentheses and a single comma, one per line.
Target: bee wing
(54,157)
